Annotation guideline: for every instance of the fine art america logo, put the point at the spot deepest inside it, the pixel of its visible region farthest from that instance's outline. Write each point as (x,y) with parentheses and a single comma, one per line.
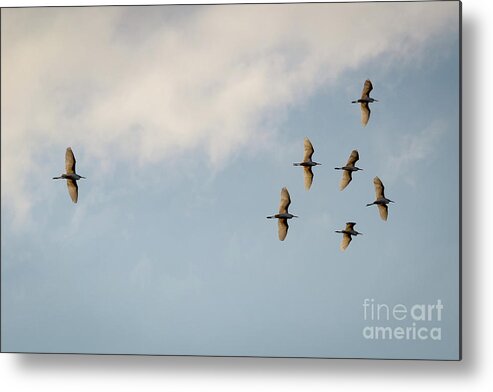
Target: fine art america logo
(402,322)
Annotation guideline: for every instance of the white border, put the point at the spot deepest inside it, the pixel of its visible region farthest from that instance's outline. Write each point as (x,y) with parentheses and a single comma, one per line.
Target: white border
(94,373)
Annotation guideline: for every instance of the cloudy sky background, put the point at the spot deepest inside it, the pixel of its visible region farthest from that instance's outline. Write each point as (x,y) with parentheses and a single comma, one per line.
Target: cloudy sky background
(186,120)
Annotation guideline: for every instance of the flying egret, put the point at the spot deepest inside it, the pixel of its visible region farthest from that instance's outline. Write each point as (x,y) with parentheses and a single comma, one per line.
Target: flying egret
(70,175)
(381,201)
(347,233)
(348,169)
(283,215)
(364,102)
(308,163)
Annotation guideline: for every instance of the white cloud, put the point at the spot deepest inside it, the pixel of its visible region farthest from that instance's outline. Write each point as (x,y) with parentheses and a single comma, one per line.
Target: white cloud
(210,83)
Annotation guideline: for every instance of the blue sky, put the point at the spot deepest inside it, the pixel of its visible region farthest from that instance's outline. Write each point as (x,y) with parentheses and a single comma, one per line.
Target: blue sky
(186,122)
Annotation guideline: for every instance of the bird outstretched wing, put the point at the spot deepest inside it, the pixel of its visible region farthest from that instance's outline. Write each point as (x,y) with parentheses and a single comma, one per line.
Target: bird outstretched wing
(283,228)
(350,226)
(346,239)
(345,180)
(308,174)
(379,188)
(384,211)
(69,161)
(367,87)
(285,201)
(308,150)
(365,113)
(353,158)
(73,190)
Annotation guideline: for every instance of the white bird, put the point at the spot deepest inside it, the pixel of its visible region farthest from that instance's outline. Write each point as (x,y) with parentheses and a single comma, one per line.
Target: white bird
(308,163)
(364,102)
(283,215)
(71,176)
(381,201)
(348,169)
(347,233)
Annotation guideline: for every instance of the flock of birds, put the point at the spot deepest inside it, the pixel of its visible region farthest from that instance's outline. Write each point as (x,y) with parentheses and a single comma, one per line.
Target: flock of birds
(347,171)
(381,201)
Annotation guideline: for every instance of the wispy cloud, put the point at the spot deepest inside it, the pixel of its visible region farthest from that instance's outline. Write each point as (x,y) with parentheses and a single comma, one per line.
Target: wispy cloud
(412,149)
(210,81)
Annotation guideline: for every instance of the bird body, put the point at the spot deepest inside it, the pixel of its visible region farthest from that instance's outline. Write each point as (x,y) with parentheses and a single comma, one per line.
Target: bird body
(283,214)
(364,102)
(308,163)
(348,169)
(380,200)
(347,233)
(71,176)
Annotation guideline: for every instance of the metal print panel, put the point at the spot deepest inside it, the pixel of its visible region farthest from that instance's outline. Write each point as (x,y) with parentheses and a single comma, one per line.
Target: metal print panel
(275,180)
